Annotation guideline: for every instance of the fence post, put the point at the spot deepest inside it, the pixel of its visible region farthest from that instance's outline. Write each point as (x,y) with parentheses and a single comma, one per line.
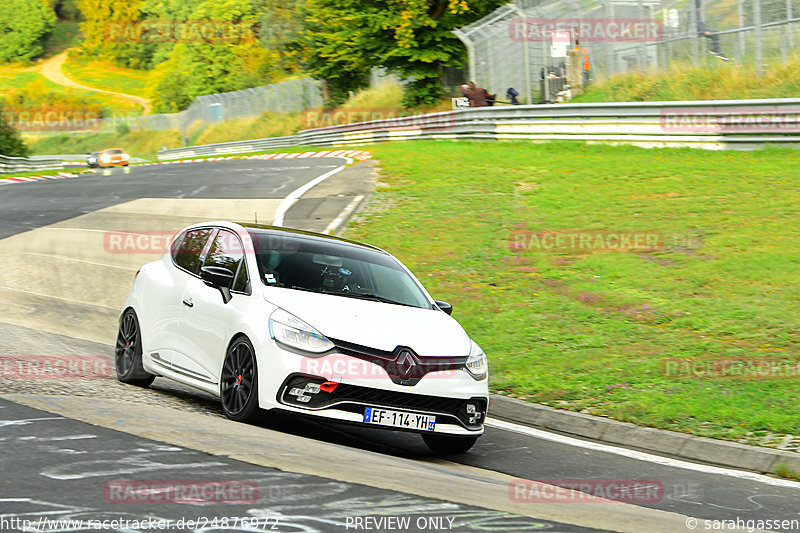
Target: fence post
(784,44)
(790,16)
(642,48)
(611,64)
(740,36)
(526,54)
(693,31)
(759,42)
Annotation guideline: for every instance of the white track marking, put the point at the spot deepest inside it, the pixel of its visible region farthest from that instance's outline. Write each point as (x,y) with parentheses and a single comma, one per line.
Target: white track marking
(70,300)
(349,208)
(640,456)
(79,260)
(295,195)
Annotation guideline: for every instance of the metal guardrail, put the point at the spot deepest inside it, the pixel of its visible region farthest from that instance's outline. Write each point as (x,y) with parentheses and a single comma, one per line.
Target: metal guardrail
(9,165)
(75,159)
(235,147)
(710,124)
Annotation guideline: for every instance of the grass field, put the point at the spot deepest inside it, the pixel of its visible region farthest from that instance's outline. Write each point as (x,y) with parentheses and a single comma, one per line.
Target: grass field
(712,80)
(142,144)
(17,77)
(594,332)
(104,74)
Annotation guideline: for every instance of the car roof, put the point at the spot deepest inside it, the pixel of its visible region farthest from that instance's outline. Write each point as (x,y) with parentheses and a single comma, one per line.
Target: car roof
(109,149)
(264,229)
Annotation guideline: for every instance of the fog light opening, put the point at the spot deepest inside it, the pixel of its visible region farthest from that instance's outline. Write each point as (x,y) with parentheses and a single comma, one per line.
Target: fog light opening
(474,414)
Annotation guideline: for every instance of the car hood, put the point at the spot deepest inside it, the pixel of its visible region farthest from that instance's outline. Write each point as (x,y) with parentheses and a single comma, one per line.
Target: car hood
(377,325)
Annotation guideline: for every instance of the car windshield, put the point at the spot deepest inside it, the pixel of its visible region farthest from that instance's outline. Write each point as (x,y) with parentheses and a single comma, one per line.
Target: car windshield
(334,267)
(114,151)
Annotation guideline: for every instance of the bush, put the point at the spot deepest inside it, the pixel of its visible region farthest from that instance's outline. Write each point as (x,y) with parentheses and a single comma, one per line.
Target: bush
(11,143)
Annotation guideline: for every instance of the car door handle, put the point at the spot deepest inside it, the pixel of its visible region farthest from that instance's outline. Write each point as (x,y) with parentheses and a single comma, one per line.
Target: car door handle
(188,302)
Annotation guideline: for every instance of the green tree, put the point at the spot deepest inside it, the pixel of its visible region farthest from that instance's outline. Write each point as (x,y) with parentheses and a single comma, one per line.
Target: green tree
(23,26)
(11,143)
(104,29)
(344,39)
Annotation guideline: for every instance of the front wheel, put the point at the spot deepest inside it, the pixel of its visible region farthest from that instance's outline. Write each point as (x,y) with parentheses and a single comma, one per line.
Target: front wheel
(128,352)
(446,444)
(238,388)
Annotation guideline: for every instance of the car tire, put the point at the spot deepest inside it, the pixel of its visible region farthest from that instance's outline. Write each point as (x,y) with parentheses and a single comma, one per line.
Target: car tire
(446,444)
(238,383)
(128,352)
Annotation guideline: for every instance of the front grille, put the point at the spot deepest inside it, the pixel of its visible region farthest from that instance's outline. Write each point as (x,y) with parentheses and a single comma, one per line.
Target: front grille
(402,364)
(354,398)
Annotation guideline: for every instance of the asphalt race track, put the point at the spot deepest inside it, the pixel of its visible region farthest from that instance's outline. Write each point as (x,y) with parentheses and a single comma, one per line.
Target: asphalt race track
(64,441)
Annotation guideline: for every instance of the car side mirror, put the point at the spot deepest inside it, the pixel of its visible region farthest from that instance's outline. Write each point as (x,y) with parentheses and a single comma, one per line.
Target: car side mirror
(220,278)
(444,306)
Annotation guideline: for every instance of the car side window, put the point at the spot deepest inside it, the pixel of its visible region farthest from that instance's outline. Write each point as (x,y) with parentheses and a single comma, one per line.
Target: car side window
(187,255)
(227,252)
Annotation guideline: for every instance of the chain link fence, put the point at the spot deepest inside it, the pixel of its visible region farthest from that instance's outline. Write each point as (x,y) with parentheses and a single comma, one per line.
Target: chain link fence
(287,96)
(521,43)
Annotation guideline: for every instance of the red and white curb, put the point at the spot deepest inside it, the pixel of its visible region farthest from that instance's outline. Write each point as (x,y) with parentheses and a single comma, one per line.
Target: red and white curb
(28,179)
(353,154)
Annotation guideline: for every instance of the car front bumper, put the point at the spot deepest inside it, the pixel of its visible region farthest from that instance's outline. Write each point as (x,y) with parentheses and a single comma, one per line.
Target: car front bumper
(444,395)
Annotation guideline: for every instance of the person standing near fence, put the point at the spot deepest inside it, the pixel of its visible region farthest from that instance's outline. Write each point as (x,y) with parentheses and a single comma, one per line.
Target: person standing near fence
(587,67)
(476,95)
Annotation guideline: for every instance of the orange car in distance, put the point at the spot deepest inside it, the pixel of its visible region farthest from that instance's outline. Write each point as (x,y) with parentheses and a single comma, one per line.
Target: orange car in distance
(113,157)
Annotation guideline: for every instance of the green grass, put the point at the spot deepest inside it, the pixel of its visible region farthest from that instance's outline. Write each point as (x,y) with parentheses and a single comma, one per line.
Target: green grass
(142,144)
(104,74)
(589,332)
(712,80)
(12,78)
(267,125)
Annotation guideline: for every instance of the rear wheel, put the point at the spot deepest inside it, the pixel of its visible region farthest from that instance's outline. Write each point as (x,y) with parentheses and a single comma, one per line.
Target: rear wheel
(446,444)
(128,352)
(238,389)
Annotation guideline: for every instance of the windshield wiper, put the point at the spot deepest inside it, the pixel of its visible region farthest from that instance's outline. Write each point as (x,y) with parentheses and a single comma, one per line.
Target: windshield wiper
(368,296)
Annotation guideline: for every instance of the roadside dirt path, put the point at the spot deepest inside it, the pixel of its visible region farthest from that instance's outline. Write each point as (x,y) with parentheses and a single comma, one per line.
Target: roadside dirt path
(51,69)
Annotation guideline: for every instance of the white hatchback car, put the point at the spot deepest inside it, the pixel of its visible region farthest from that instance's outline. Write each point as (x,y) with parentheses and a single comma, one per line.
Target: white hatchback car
(272,318)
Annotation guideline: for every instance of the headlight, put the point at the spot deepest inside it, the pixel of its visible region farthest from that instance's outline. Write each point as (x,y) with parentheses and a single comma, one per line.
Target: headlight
(287,329)
(477,364)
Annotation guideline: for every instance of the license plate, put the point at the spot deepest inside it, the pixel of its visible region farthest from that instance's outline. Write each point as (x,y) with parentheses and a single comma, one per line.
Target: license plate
(399,419)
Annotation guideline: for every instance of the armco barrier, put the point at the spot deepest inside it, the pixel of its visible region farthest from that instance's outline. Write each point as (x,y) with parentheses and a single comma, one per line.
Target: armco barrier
(23,164)
(711,124)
